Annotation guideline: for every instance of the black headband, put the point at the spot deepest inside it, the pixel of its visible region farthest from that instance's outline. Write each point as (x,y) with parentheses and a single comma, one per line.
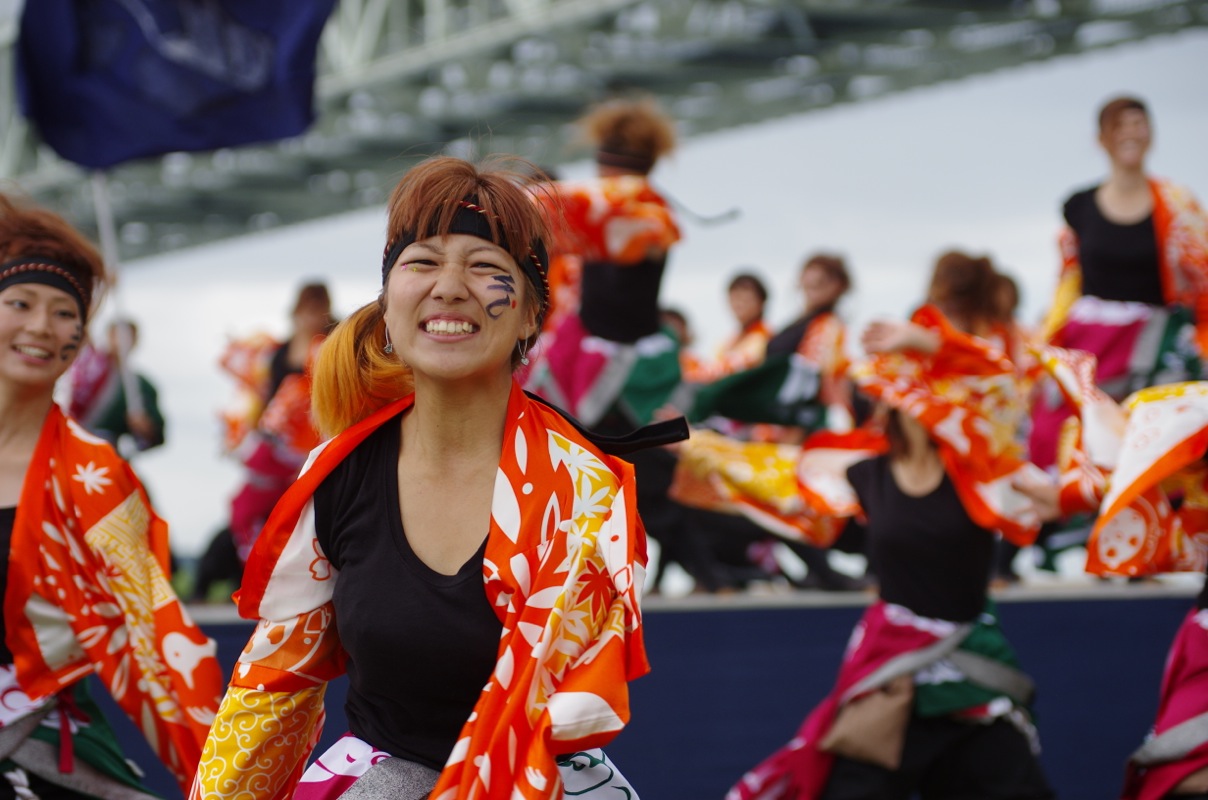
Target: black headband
(470,218)
(35,269)
(614,157)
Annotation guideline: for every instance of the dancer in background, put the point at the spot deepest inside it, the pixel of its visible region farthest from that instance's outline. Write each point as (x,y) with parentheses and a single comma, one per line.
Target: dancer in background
(930,697)
(465,553)
(800,388)
(100,380)
(268,428)
(747,298)
(820,337)
(85,558)
(612,364)
(1134,277)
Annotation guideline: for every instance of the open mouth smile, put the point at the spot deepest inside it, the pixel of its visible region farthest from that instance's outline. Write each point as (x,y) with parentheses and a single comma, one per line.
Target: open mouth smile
(32,351)
(449,327)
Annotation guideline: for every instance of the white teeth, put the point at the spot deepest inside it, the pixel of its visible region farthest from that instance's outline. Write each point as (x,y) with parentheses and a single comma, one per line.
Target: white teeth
(34,352)
(448,326)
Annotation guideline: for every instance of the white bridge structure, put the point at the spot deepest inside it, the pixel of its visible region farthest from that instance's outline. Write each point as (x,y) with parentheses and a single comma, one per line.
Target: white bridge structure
(402,79)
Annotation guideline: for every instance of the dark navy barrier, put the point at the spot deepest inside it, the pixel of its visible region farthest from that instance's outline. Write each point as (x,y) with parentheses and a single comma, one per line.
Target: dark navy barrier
(733,678)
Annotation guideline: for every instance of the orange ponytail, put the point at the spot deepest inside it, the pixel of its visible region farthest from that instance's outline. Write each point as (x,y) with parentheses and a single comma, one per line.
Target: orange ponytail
(353,375)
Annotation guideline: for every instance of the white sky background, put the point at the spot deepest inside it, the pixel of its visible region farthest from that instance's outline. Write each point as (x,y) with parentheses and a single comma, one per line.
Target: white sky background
(982,164)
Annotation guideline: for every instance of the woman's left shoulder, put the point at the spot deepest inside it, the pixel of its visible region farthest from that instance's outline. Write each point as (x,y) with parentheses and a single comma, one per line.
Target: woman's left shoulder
(1169,188)
(586,452)
(89,446)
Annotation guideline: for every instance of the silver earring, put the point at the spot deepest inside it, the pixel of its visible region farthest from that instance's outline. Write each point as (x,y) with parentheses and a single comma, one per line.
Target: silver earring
(389,348)
(523,347)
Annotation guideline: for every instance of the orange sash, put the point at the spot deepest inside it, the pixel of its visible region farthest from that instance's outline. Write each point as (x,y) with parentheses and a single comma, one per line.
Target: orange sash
(617,219)
(965,395)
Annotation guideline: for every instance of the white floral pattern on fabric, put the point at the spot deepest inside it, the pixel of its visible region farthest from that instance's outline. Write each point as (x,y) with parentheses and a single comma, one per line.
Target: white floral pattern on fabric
(562,569)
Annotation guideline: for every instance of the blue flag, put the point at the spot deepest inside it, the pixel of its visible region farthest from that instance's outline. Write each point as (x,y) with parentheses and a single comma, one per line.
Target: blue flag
(106,81)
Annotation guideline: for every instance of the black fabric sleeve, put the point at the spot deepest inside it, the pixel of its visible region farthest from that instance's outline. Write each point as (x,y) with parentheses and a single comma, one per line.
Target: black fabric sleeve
(325,499)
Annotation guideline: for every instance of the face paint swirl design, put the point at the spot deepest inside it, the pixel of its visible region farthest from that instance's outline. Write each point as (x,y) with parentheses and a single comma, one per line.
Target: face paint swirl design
(507,285)
(74,344)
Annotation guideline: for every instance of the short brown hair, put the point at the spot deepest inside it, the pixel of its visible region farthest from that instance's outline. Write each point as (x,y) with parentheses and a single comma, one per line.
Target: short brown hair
(28,230)
(963,287)
(313,295)
(834,266)
(633,128)
(749,280)
(1112,109)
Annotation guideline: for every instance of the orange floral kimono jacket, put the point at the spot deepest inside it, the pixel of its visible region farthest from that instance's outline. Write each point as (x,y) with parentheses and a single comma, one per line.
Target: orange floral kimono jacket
(619,219)
(1140,465)
(1181,227)
(88,592)
(564,568)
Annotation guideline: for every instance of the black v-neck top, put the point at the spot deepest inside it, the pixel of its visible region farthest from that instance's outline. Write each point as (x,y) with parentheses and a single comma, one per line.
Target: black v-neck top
(421,645)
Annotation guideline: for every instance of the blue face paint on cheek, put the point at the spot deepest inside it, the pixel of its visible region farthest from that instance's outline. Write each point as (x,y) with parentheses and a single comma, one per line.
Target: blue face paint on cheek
(507,285)
(73,345)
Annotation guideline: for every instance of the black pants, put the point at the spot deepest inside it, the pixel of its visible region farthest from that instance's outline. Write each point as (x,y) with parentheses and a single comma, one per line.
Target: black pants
(944,759)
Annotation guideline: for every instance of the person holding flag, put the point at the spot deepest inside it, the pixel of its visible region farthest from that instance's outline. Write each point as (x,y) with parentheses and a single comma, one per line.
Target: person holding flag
(112,400)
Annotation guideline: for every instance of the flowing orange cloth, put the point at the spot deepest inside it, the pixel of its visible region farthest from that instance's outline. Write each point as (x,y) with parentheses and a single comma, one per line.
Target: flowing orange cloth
(246,360)
(1130,462)
(797,492)
(965,395)
(1181,227)
(88,592)
(564,567)
(619,219)
(824,345)
(286,415)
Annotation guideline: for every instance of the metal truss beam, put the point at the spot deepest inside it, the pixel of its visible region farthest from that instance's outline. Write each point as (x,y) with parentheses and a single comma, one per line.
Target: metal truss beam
(403,79)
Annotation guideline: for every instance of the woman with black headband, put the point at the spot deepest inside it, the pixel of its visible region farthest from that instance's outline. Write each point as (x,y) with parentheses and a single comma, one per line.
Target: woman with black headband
(83,557)
(467,555)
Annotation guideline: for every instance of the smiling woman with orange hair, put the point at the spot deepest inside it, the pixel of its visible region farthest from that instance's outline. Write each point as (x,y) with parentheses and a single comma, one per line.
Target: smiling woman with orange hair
(467,555)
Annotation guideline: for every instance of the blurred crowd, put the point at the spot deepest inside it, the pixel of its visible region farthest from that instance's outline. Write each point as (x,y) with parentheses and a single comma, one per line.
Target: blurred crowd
(617,354)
